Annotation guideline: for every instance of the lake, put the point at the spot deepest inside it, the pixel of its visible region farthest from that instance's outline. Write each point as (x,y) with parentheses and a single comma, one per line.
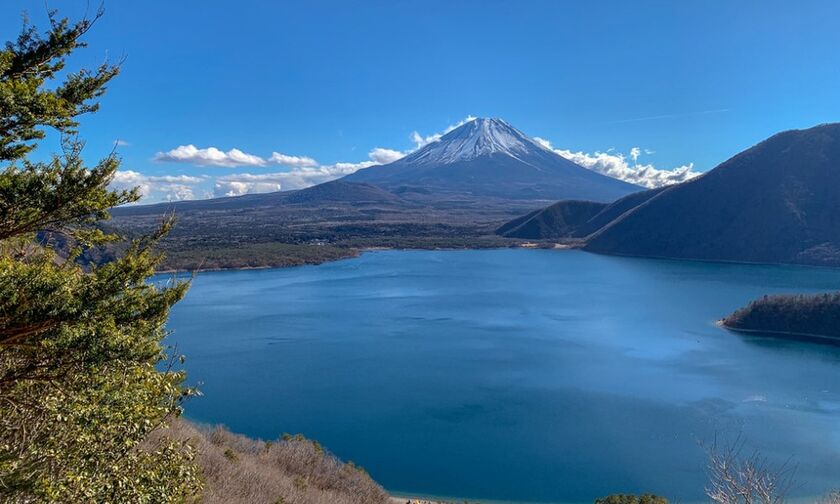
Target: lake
(518,375)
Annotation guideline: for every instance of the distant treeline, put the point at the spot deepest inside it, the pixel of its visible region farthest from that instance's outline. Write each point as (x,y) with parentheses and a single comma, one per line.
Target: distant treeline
(814,315)
(250,255)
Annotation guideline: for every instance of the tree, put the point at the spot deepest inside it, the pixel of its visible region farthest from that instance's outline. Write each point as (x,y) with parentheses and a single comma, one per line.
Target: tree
(631,499)
(84,377)
(738,479)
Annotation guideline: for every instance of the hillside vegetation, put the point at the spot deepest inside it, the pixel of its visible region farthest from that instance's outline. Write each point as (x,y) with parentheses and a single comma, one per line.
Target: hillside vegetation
(795,315)
(560,220)
(310,226)
(571,218)
(291,470)
(776,202)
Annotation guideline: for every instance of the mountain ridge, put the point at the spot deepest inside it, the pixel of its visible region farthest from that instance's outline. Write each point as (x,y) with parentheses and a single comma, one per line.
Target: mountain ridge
(775,202)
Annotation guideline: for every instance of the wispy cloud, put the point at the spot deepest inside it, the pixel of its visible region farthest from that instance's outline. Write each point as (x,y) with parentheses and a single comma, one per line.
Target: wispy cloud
(616,165)
(293,161)
(238,184)
(669,116)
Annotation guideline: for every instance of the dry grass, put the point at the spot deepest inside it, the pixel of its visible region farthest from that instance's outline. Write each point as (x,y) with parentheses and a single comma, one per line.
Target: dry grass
(293,470)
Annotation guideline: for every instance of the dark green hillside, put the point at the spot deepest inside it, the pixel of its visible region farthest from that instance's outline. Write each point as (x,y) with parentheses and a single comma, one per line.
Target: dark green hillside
(794,315)
(616,210)
(560,220)
(572,219)
(777,202)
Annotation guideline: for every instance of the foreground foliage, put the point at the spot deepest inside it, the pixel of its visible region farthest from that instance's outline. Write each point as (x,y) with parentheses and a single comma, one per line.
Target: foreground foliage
(631,499)
(738,478)
(290,470)
(80,350)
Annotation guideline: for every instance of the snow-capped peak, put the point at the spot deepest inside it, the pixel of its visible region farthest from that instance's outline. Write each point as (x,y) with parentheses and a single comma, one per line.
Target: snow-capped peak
(479,137)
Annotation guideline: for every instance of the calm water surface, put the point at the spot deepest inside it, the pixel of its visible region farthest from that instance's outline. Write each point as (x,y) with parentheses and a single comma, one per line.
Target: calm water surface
(525,375)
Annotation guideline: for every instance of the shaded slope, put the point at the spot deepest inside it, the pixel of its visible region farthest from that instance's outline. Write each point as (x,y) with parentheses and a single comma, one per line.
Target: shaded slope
(557,221)
(615,210)
(776,202)
(572,219)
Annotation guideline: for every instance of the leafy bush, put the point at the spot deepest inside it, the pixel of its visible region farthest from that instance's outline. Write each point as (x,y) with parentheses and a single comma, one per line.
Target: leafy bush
(631,499)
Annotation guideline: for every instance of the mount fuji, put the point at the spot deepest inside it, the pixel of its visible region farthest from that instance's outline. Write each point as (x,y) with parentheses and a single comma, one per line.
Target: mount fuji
(452,193)
(490,158)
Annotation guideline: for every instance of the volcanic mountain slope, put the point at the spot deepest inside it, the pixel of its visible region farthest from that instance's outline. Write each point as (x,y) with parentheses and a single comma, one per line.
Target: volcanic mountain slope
(776,202)
(490,158)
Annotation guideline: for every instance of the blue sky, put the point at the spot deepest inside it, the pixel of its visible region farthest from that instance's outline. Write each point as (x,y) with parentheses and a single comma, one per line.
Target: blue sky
(686,82)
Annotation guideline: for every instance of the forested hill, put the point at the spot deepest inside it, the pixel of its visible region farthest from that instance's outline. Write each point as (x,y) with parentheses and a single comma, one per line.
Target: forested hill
(777,202)
(793,315)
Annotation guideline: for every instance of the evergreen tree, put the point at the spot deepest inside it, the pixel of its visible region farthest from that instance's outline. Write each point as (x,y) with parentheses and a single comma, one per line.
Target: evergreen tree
(84,377)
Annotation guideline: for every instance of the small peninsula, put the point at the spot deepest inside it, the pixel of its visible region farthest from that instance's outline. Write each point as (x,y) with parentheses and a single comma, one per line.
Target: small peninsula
(801,316)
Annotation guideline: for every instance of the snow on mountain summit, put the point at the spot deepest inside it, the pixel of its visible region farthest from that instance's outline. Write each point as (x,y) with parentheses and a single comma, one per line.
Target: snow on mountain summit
(489,157)
(475,138)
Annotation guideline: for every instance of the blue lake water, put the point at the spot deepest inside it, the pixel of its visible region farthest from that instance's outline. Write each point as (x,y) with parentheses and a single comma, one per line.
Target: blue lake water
(521,375)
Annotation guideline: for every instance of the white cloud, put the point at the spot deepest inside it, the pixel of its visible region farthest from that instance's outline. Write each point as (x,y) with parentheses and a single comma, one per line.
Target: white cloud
(246,183)
(305,171)
(179,179)
(616,166)
(163,187)
(305,177)
(210,156)
(384,156)
(121,143)
(299,178)
(421,141)
(293,161)
(128,179)
(177,192)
